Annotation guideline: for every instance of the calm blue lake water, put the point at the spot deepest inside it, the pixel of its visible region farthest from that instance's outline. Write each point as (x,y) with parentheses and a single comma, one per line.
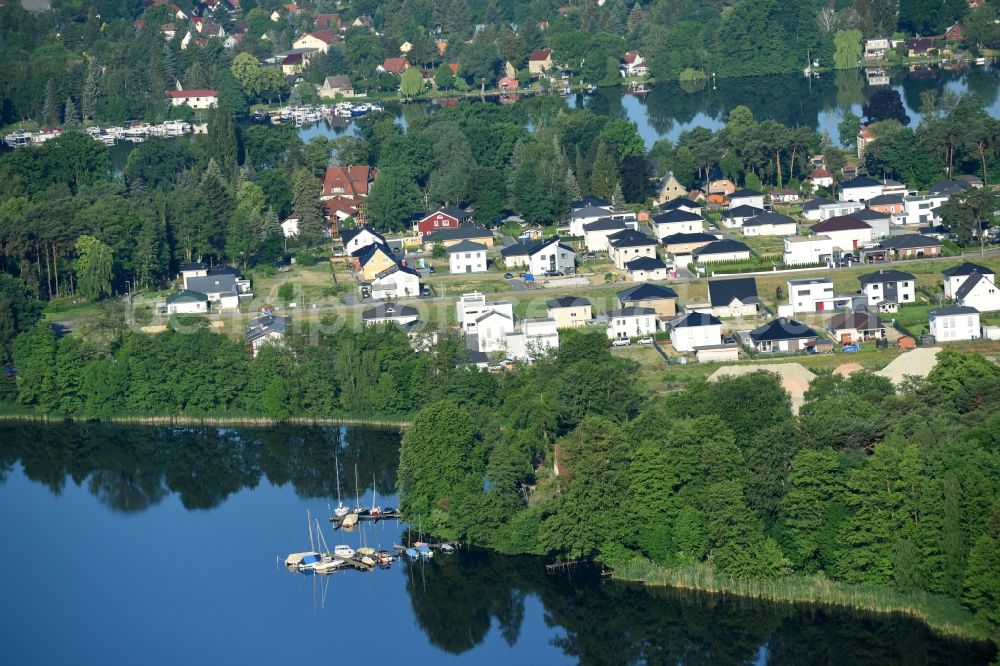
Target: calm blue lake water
(159,546)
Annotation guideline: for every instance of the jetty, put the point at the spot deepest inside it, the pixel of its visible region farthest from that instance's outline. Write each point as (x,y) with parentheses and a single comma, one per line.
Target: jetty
(350,520)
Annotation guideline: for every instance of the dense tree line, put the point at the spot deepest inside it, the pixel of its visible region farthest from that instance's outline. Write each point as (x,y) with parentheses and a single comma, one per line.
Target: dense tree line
(865,485)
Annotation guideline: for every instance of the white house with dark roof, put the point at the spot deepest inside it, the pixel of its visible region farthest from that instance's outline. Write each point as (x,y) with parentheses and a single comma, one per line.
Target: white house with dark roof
(695,329)
(811,208)
(888,285)
(646,268)
(588,201)
(551,254)
(570,311)
(770,224)
(678,221)
(951,324)
(628,245)
(726,249)
(581,216)
(470,307)
(782,335)
(397,281)
(467,257)
(851,327)
(847,233)
(491,329)
(595,234)
(631,322)
(979,291)
(266,329)
(681,203)
(955,276)
(860,188)
(187,302)
(390,313)
(734,297)
(881,223)
(358,238)
(735,216)
(839,208)
(746,197)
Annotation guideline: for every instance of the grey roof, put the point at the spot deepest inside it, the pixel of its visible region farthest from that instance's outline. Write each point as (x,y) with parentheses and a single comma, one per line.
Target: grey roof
(464,231)
(949,187)
(456,212)
(223,269)
(910,241)
(347,235)
(884,276)
(768,218)
(693,237)
(781,329)
(866,214)
(859,181)
(467,246)
(646,291)
(586,202)
(605,224)
(953,310)
(743,210)
(680,203)
(861,321)
(723,292)
(194,266)
(677,215)
(814,204)
(645,264)
(568,302)
(965,268)
(629,238)
(723,246)
(341,81)
(213,284)
(186,296)
(969,284)
(745,192)
(516,250)
(389,311)
(590,211)
(538,246)
(265,325)
(632,311)
(884,199)
(365,254)
(693,319)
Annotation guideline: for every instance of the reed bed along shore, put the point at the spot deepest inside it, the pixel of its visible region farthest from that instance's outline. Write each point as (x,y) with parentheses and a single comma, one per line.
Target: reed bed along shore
(16,414)
(943,614)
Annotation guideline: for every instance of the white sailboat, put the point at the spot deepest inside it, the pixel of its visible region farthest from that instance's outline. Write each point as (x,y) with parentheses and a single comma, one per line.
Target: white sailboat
(307,559)
(341,510)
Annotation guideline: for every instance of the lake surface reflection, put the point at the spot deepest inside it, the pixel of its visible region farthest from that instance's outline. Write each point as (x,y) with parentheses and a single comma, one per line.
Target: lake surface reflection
(160,545)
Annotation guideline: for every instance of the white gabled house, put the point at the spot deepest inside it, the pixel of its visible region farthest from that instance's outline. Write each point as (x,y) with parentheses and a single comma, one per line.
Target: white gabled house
(646,268)
(467,257)
(695,329)
(980,292)
(358,238)
(631,322)
(551,255)
(595,234)
(678,221)
(954,323)
(746,197)
(628,245)
(888,286)
(860,188)
(266,329)
(770,224)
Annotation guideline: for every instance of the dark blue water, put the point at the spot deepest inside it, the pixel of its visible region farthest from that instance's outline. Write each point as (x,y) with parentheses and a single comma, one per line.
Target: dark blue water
(159,546)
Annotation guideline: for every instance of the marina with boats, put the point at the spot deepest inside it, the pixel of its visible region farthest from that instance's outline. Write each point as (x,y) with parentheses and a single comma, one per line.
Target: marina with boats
(301,116)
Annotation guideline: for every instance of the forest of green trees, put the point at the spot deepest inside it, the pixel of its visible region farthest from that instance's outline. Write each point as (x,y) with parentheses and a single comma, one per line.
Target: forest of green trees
(865,485)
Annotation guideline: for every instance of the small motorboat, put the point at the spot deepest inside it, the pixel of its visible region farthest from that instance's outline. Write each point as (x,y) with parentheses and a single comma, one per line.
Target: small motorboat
(384,558)
(296,560)
(328,566)
(343,551)
(349,521)
(425,550)
(411,553)
(447,548)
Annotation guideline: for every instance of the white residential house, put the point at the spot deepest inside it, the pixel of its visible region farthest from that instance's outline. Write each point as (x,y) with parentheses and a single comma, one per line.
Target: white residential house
(811,209)
(770,224)
(187,302)
(551,255)
(537,337)
(587,214)
(735,216)
(815,295)
(467,257)
(266,329)
(980,292)
(491,329)
(359,238)
(820,177)
(472,306)
(955,276)
(876,49)
(838,208)
(390,313)
(625,246)
(888,286)
(954,323)
(196,99)
(859,188)
(805,250)
(632,64)
(595,234)
(846,232)
(631,322)
(396,282)
(734,297)
(746,197)
(646,268)
(290,226)
(695,329)
(678,221)
(726,249)
(921,210)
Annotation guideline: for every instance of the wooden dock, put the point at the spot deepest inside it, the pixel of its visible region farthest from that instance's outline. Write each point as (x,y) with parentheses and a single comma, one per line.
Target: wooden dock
(338,521)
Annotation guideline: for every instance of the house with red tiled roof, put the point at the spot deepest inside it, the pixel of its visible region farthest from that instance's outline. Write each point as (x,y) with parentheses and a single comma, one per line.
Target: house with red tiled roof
(954,34)
(347,181)
(540,61)
(394,65)
(328,21)
(820,177)
(202,98)
(632,64)
(321,40)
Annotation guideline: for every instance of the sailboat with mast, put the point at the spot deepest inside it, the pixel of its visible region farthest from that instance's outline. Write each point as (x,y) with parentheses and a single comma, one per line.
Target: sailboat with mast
(307,559)
(341,510)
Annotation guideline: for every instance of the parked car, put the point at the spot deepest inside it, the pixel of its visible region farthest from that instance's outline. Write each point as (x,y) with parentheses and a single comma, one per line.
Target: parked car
(552,273)
(850,348)
(729,339)
(431,270)
(620,343)
(646,340)
(508,276)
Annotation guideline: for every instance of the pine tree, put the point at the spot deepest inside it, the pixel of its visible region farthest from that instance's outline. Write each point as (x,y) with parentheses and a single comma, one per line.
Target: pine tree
(91,92)
(70,117)
(295,97)
(811,489)
(169,63)
(572,188)
(635,17)
(271,224)
(604,176)
(306,192)
(617,196)
(50,108)
(222,143)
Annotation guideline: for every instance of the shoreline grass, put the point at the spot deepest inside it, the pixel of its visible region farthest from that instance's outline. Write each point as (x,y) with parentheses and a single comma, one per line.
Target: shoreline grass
(18,413)
(942,614)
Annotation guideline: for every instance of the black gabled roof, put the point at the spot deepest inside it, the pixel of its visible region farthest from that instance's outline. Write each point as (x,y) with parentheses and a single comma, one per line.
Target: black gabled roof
(949,187)
(859,181)
(456,212)
(883,199)
(693,237)
(723,246)
(813,204)
(389,311)
(905,241)
(568,302)
(630,238)
(223,269)
(745,192)
(516,250)
(743,210)
(460,232)
(693,319)
(861,321)
(193,266)
(866,214)
(782,329)
(586,202)
(965,268)
(605,224)
(953,310)
(347,235)
(365,254)
(644,264)
(677,215)
(883,276)
(633,311)
(768,218)
(646,291)
(466,246)
(542,244)
(723,292)
(969,285)
(590,211)
(680,203)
